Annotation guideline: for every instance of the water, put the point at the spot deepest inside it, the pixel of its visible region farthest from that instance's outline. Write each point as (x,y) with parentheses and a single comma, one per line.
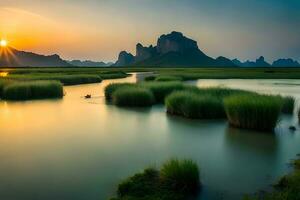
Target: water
(79,149)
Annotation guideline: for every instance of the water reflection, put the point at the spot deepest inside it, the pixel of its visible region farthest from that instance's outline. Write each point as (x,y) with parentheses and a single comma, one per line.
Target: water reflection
(80,149)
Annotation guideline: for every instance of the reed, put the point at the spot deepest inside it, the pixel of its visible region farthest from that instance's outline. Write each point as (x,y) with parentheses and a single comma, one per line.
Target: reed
(288,105)
(111,88)
(161,89)
(258,112)
(193,105)
(133,97)
(33,90)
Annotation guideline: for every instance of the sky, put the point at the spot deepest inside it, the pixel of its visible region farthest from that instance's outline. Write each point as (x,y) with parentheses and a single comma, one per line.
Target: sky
(100,29)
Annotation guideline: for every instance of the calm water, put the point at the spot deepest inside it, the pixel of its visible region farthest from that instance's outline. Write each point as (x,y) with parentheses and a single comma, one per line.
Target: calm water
(78,149)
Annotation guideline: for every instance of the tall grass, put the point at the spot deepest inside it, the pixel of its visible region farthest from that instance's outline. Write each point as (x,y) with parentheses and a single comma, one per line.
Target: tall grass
(111,88)
(133,97)
(193,105)
(168,78)
(288,105)
(181,175)
(258,112)
(33,90)
(162,89)
(176,180)
(113,75)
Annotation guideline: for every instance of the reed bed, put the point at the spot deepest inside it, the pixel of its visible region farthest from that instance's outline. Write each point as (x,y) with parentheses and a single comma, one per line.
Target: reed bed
(288,105)
(32,90)
(192,105)
(111,88)
(258,112)
(161,89)
(176,180)
(133,97)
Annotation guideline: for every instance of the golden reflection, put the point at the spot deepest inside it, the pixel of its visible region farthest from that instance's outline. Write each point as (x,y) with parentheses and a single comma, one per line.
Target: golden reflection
(3,74)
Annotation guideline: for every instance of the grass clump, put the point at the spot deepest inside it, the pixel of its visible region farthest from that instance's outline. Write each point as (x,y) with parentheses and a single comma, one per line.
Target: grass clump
(111,88)
(181,175)
(288,105)
(161,89)
(133,97)
(33,90)
(258,112)
(113,75)
(149,78)
(193,105)
(168,78)
(176,180)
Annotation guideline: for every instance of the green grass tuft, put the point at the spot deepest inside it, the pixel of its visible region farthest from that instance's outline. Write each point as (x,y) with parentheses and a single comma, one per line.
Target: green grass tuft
(193,105)
(133,97)
(288,105)
(181,175)
(177,180)
(162,89)
(111,88)
(258,112)
(33,90)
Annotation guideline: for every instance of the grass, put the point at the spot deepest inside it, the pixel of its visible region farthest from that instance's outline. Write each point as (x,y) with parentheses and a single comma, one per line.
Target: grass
(32,90)
(66,79)
(111,88)
(161,89)
(288,187)
(288,105)
(176,180)
(133,97)
(192,105)
(253,111)
(149,78)
(181,175)
(168,78)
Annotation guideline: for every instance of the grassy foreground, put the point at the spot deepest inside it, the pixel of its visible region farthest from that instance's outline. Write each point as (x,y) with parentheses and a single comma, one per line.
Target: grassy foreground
(32,90)
(176,180)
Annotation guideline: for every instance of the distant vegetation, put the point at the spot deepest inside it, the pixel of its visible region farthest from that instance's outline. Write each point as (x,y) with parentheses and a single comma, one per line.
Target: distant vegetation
(259,112)
(168,78)
(176,180)
(32,90)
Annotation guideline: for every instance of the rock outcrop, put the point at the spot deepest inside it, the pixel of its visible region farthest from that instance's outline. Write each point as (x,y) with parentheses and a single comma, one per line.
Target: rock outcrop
(172,49)
(124,59)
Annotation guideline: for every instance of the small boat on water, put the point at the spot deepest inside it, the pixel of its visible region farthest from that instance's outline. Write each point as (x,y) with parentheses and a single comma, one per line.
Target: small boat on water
(88,96)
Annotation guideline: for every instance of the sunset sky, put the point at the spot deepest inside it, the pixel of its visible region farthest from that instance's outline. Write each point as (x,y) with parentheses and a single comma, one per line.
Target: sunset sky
(100,29)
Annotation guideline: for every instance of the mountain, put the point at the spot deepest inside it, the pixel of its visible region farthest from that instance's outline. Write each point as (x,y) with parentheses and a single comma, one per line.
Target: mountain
(172,50)
(89,63)
(10,57)
(260,62)
(285,63)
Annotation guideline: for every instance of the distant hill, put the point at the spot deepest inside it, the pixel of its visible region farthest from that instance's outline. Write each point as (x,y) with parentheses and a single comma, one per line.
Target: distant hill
(260,62)
(89,63)
(172,49)
(10,57)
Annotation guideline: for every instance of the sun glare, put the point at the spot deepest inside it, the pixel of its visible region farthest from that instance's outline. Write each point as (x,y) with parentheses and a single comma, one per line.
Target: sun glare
(3,43)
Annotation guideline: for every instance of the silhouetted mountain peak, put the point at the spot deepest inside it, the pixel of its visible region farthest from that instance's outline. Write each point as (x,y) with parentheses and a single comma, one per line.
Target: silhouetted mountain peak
(15,58)
(173,49)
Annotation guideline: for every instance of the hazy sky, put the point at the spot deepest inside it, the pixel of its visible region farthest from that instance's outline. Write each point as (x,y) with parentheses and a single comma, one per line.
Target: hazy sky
(100,29)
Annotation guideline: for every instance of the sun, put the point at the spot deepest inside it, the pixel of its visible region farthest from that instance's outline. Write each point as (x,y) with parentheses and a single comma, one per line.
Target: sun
(3,43)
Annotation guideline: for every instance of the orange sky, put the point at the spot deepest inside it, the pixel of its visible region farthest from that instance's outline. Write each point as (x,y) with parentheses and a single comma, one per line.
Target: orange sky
(100,29)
